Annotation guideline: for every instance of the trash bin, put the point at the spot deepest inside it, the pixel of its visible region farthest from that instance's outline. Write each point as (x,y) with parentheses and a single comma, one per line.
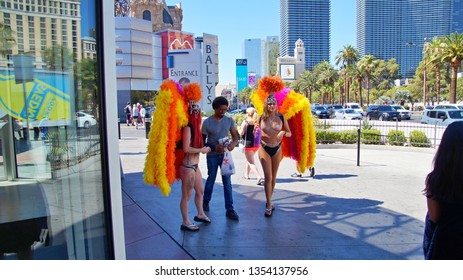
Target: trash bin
(147,126)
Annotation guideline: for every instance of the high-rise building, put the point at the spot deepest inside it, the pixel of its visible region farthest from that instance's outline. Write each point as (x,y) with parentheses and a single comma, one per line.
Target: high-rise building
(253,52)
(308,20)
(38,25)
(398,28)
(271,53)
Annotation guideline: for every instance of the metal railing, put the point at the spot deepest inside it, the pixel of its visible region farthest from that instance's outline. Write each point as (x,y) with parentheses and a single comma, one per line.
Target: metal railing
(379,132)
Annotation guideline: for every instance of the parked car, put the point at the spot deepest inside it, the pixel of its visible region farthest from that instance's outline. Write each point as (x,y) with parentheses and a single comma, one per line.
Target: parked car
(355,106)
(449,106)
(442,117)
(332,109)
(429,107)
(320,112)
(382,113)
(236,111)
(348,114)
(404,113)
(85,120)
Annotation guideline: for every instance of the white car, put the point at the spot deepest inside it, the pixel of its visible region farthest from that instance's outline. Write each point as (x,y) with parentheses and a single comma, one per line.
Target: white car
(347,114)
(355,106)
(404,113)
(442,117)
(449,106)
(85,120)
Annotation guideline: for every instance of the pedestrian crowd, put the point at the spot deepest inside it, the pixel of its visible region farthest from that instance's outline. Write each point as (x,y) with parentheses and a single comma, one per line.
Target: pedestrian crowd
(135,115)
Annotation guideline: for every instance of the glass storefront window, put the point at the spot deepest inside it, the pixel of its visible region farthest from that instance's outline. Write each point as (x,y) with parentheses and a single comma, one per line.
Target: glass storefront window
(52,198)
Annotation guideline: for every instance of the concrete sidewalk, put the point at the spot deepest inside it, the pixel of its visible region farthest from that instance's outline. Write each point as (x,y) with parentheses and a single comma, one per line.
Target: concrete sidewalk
(372,211)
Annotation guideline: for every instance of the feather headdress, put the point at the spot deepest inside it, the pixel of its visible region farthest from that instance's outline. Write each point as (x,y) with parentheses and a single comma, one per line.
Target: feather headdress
(171,115)
(295,107)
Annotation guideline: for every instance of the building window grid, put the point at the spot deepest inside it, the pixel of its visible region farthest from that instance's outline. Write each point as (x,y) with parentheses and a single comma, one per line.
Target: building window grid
(431,25)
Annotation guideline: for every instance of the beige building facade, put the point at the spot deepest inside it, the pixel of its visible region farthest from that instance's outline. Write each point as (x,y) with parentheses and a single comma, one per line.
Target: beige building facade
(153,10)
(40,24)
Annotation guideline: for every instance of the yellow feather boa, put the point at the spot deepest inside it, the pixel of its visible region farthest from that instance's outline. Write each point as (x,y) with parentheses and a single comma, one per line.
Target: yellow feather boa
(167,120)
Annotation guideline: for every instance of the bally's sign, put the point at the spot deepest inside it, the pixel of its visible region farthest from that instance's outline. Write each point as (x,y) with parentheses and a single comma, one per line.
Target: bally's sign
(208,83)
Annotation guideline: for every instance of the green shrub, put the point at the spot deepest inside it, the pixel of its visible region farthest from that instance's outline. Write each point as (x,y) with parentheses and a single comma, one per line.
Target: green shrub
(366,124)
(320,124)
(324,137)
(345,137)
(396,137)
(348,136)
(370,136)
(418,139)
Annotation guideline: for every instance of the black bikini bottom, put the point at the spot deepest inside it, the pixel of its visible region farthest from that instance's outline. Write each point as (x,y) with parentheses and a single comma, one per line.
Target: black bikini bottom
(191,166)
(271,151)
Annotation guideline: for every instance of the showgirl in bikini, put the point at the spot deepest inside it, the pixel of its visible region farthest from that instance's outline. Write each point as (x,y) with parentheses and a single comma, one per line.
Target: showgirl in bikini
(274,127)
(190,174)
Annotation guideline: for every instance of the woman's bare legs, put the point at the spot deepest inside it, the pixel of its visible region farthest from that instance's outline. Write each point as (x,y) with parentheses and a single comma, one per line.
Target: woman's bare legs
(187,175)
(270,167)
(199,192)
(250,164)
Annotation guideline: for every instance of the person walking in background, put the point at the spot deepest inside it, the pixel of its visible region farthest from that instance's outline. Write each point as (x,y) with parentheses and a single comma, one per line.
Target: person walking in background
(443,233)
(128,113)
(192,145)
(247,131)
(215,128)
(142,115)
(298,174)
(135,113)
(274,127)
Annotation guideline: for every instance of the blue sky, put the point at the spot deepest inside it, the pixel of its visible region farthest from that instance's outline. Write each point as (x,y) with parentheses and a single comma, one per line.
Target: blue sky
(237,20)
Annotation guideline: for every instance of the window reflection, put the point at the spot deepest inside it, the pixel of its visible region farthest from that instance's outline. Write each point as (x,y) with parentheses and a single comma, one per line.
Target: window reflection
(51,189)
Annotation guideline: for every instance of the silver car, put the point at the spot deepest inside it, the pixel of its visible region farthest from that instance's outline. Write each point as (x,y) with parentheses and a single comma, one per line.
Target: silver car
(404,113)
(347,114)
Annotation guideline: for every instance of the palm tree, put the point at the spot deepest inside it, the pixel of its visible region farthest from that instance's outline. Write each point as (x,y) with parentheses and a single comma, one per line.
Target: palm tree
(326,75)
(356,73)
(87,75)
(432,52)
(345,57)
(307,83)
(367,65)
(339,84)
(244,96)
(452,52)
(7,40)
(58,58)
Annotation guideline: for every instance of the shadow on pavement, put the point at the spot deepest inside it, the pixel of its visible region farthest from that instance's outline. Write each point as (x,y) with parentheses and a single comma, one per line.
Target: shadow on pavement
(303,227)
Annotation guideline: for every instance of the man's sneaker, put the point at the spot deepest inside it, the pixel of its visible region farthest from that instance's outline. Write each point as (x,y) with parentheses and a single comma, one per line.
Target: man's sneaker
(205,206)
(231,214)
(296,174)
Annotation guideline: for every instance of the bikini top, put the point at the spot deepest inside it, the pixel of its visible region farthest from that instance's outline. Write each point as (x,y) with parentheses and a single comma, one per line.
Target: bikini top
(281,118)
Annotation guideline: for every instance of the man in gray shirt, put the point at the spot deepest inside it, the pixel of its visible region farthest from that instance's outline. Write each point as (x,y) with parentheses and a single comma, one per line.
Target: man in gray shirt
(217,127)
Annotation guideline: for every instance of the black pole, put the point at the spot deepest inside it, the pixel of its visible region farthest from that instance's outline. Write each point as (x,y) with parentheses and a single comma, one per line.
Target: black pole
(119,127)
(358,147)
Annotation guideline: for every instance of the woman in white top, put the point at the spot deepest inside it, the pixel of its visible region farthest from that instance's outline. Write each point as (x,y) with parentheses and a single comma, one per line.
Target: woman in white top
(135,113)
(142,115)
